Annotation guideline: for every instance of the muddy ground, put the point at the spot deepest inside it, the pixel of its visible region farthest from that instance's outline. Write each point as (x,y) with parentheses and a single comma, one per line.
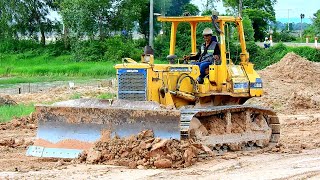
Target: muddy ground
(292,89)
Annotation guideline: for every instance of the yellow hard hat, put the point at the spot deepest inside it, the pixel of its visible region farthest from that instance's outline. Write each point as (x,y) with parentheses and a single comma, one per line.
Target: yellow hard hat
(207,31)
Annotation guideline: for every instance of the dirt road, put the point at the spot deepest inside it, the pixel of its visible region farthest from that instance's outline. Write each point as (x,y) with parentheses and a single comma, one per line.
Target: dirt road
(274,166)
(297,157)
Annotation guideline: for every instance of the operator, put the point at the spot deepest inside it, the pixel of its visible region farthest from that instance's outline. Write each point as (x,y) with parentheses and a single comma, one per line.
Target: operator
(207,54)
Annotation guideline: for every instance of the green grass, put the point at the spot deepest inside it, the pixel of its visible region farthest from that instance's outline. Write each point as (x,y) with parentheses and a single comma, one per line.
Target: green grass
(106,96)
(7,112)
(31,65)
(76,96)
(34,79)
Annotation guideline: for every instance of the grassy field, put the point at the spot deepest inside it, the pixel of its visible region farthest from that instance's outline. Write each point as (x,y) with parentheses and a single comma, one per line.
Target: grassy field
(9,112)
(32,68)
(29,67)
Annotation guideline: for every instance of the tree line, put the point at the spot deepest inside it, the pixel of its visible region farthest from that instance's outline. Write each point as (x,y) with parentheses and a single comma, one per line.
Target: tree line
(100,18)
(90,18)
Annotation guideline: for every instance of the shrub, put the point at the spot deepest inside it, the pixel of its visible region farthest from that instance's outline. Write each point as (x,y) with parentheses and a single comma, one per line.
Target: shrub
(275,53)
(118,47)
(112,49)
(283,36)
(57,48)
(87,50)
(265,57)
(256,54)
(161,47)
(32,47)
(307,52)
(17,46)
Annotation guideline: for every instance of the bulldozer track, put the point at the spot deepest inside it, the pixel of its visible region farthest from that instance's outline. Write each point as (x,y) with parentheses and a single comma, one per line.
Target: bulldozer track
(226,140)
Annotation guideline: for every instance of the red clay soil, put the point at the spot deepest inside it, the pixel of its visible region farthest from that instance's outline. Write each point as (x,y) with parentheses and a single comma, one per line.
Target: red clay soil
(145,151)
(68,144)
(27,122)
(291,86)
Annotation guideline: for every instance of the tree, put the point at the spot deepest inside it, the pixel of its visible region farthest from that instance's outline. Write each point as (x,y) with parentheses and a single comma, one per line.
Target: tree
(316,21)
(261,13)
(102,17)
(248,28)
(130,11)
(28,17)
(162,6)
(143,20)
(266,5)
(176,8)
(209,4)
(192,9)
(36,17)
(6,18)
(314,29)
(88,17)
(260,21)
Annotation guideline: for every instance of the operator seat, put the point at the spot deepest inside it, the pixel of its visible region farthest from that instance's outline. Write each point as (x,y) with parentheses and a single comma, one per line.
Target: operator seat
(214,38)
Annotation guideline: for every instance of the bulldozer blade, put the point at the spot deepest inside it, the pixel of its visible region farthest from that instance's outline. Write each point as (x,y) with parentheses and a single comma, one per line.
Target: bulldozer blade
(67,128)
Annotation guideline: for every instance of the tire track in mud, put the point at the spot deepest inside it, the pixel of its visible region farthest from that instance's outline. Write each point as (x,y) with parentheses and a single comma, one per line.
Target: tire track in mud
(306,175)
(261,166)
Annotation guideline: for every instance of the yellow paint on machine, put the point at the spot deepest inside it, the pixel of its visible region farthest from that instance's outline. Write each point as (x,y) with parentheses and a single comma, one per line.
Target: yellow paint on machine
(176,84)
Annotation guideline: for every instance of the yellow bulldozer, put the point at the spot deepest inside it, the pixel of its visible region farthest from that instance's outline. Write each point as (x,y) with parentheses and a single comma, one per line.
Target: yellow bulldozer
(167,99)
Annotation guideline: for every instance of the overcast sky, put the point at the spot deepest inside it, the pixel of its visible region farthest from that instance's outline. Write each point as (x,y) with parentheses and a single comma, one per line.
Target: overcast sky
(307,7)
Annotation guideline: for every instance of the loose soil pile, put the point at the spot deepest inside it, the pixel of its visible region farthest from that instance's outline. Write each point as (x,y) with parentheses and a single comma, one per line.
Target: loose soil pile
(14,143)
(291,85)
(27,122)
(146,151)
(23,124)
(293,67)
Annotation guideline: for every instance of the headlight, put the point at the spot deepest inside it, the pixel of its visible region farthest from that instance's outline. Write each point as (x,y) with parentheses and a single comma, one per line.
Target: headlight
(241,85)
(257,84)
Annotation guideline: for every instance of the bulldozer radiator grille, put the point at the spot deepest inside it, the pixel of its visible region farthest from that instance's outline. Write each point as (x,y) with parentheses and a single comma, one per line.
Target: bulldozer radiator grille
(132,84)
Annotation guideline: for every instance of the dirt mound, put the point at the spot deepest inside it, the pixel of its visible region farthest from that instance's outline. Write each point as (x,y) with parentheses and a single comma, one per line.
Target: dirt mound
(14,143)
(291,85)
(294,67)
(145,151)
(27,122)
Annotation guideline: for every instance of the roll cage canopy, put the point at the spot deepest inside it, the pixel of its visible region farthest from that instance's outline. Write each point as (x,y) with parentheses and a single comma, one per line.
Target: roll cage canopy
(194,20)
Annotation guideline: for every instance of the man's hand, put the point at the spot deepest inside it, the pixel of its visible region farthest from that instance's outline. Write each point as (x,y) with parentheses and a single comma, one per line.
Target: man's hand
(216,57)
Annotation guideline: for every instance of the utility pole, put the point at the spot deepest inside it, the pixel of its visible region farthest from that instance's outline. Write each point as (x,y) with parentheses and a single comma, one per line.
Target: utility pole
(301,17)
(151,24)
(240,8)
